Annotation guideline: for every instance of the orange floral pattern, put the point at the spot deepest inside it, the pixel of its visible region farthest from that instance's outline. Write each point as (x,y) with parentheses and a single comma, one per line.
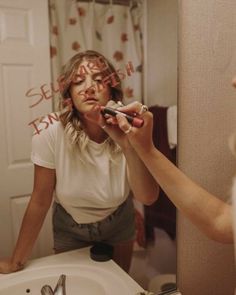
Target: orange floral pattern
(81,11)
(110,19)
(129,92)
(75,46)
(118,56)
(72,21)
(124,37)
(53,51)
(55,30)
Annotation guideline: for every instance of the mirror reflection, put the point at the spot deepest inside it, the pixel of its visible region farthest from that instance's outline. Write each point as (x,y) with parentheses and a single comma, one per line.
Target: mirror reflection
(103,51)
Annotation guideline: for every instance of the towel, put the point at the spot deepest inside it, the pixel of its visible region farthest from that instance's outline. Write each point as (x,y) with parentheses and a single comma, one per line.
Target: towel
(172,126)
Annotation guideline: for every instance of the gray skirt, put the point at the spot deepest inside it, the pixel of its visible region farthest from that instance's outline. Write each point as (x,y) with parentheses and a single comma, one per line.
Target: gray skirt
(114,229)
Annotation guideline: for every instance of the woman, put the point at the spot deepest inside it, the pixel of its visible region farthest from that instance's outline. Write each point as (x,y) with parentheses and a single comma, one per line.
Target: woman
(210,214)
(89,173)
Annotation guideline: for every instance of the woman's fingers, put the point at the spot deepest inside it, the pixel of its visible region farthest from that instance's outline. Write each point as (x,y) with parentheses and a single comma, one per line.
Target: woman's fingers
(134,107)
(123,124)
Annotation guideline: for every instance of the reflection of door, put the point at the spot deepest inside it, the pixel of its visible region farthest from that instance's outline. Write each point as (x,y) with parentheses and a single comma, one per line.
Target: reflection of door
(24,64)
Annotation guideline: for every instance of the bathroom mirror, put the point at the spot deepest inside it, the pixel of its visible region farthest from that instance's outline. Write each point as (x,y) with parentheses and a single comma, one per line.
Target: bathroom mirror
(144,48)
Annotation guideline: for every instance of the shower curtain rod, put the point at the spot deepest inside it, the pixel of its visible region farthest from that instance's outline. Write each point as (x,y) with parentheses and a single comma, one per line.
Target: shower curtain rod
(119,2)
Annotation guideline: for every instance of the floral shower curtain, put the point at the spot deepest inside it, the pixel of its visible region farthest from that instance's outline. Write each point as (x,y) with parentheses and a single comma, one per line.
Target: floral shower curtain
(111,29)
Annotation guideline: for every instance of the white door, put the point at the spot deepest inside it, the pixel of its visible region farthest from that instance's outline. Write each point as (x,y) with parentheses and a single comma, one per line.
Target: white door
(24,64)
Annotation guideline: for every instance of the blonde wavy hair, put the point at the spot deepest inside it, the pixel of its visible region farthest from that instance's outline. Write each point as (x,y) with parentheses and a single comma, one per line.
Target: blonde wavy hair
(70,117)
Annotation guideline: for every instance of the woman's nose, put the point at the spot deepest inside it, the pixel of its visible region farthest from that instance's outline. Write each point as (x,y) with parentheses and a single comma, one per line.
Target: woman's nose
(90,85)
(90,90)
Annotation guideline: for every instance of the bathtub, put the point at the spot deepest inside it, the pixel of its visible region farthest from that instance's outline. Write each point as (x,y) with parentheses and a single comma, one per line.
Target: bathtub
(83,276)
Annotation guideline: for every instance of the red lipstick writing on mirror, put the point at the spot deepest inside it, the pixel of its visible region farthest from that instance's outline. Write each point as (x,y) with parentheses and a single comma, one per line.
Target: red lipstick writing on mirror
(134,121)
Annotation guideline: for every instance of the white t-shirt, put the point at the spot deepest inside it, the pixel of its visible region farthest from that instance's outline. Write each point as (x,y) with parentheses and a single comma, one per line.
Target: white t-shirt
(89,190)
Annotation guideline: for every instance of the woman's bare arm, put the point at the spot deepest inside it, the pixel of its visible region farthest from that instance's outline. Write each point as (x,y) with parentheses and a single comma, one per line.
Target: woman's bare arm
(41,198)
(206,211)
(143,185)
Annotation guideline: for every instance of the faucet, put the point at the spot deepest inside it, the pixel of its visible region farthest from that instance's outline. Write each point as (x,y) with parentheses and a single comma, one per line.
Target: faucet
(59,289)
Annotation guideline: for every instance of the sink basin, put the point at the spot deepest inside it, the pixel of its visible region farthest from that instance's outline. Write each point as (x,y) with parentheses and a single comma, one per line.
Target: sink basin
(83,276)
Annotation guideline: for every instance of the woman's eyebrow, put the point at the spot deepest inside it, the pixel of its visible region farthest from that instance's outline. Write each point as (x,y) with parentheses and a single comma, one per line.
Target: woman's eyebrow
(104,73)
(75,76)
(82,76)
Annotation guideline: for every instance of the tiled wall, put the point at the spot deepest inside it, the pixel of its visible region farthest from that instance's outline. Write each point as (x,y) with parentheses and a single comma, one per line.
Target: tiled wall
(207,116)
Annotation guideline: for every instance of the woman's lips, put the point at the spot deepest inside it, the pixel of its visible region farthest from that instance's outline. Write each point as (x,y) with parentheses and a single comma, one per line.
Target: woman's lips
(91,99)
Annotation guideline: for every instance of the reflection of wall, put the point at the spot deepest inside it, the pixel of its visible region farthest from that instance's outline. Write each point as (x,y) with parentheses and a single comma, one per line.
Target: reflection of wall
(161,52)
(207,116)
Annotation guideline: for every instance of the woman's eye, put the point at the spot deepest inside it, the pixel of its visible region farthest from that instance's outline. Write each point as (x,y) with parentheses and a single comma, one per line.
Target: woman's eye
(78,82)
(98,79)
(78,79)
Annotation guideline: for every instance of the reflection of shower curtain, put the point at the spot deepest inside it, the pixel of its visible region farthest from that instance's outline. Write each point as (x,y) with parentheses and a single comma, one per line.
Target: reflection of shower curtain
(111,29)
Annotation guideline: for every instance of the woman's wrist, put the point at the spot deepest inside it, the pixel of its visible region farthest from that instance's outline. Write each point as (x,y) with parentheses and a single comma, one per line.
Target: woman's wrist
(145,150)
(128,149)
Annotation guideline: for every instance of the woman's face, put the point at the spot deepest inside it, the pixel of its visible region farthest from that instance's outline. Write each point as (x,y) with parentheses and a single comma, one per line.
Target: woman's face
(87,88)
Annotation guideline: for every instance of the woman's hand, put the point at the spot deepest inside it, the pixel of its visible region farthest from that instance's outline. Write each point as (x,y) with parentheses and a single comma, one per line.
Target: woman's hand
(119,129)
(139,138)
(6,266)
(110,125)
(112,128)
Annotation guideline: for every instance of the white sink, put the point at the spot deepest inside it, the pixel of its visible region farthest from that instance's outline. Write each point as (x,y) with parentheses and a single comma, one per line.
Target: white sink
(83,276)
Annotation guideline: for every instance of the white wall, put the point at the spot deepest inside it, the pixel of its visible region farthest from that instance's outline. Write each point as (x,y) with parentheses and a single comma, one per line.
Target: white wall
(161,52)
(207,116)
